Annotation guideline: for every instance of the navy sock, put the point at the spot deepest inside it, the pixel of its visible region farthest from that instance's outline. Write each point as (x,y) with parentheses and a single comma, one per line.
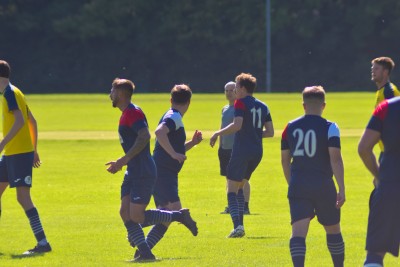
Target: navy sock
(233,209)
(153,217)
(336,248)
(36,225)
(298,251)
(240,200)
(373,260)
(155,234)
(136,236)
(246,205)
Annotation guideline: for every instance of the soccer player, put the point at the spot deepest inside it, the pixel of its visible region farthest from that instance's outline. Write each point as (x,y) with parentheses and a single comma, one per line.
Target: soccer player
(140,175)
(20,153)
(383,234)
(310,155)
(251,118)
(226,144)
(169,156)
(380,74)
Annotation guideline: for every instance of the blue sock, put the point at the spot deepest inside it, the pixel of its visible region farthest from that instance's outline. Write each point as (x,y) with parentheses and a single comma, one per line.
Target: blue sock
(336,248)
(298,251)
(155,234)
(136,236)
(233,209)
(373,260)
(153,217)
(240,200)
(36,226)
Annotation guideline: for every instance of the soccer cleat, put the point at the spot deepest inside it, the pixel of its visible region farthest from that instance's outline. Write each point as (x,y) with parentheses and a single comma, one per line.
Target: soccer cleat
(38,250)
(137,254)
(237,233)
(226,211)
(145,258)
(189,222)
(246,211)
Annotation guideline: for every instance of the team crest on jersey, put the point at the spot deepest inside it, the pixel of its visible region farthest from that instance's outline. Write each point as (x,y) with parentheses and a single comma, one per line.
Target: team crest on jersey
(28,180)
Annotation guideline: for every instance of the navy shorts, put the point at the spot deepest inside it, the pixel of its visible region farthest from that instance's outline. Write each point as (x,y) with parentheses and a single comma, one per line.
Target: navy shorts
(166,187)
(383,233)
(320,203)
(17,169)
(241,167)
(224,156)
(138,187)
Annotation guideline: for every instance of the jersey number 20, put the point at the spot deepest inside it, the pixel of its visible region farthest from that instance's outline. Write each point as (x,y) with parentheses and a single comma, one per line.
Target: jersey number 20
(309,140)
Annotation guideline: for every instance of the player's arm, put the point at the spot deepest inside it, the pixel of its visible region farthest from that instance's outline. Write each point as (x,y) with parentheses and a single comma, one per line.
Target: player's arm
(338,171)
(268,129)
(196,139)
(162,138)
(285,161)
(142,140)
(18,123)
(232,128)
(33,129)
(365,149)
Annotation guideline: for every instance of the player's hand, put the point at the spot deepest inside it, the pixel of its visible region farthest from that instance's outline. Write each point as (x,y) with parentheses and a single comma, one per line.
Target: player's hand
(179,157)
(213,139)
(36,160)
(197,137)
(375,182)
(340,199)
(113,167)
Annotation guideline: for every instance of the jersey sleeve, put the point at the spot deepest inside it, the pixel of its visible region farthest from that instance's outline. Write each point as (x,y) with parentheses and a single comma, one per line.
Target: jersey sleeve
(239,107)
(333,135)
(376,121)
(173,121)
(9,95)
(268,118)
(134,119)
(284,141)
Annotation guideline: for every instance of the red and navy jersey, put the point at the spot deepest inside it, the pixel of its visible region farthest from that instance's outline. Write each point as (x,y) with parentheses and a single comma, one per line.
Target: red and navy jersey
(248,140)
(308,138)
(131,121)
(386,120)
(177,138)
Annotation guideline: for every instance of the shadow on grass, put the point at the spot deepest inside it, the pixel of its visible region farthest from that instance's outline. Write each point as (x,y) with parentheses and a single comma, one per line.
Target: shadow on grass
(163,259)
(22,256)
(261,237)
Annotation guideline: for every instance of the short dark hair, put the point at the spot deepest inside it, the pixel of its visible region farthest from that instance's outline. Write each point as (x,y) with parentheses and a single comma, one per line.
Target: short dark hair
(125,85)
(247,81)
(314,93)
(4,69)
(181,94)
(386,62)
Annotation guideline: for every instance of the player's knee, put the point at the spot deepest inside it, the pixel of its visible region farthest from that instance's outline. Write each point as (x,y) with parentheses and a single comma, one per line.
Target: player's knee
(137,217)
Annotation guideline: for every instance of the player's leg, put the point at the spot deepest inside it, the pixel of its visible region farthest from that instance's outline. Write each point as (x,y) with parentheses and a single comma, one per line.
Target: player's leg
(3,178)
(233,188)
(19,168)
(246,192)
(329,216)
(3,187)
(240,199)
(298,241)
(224,156)
(335,244)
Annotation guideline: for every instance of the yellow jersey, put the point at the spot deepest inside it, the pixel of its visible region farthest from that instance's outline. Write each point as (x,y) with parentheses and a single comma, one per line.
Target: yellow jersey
(389,90)
(13,99)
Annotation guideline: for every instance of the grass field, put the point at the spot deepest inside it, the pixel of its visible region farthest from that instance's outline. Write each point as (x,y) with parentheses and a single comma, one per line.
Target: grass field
(79,201)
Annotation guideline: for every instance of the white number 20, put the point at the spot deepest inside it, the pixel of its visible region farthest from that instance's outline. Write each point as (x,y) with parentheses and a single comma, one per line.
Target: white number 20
(309,140)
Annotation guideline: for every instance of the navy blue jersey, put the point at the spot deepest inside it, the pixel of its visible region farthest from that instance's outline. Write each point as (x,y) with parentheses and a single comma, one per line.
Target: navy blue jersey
(176,136)
(308,138)
(386,120)
(131,121)
(248,140)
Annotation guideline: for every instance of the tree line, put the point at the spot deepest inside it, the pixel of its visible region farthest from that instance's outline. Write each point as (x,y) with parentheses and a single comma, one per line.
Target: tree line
(82,45)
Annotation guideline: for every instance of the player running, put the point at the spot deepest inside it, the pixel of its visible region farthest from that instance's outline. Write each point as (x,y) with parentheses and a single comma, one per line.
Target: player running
(251,118)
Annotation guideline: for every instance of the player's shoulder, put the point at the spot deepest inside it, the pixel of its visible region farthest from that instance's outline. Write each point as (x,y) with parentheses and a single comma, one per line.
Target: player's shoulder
(172,114)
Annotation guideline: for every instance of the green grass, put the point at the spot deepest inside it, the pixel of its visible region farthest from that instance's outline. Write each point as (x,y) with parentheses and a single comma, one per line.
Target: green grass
(79,201)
